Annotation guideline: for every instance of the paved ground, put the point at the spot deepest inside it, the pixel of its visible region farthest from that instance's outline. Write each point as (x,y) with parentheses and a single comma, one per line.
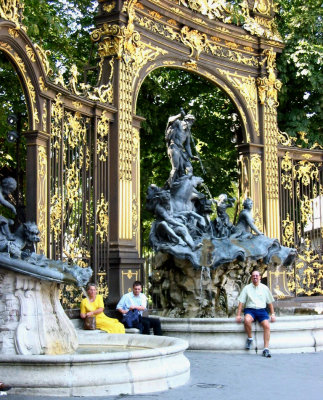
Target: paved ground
(239,377)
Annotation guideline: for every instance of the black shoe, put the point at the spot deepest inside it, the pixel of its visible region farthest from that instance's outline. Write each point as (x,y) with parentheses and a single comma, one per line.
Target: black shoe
(249,343)
(4,388)
(266,353)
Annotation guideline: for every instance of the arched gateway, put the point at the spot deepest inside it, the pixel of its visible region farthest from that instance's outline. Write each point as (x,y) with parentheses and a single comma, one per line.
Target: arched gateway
(83,142)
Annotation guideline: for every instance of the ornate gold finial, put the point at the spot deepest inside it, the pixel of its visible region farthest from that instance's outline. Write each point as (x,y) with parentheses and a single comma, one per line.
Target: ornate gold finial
(268,87)
(12,10)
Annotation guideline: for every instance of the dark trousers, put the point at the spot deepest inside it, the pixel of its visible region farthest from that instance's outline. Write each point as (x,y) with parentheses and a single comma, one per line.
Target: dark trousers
(148,323)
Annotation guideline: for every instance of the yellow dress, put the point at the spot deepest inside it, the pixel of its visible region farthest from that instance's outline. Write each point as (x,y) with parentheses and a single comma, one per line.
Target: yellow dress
(110,325)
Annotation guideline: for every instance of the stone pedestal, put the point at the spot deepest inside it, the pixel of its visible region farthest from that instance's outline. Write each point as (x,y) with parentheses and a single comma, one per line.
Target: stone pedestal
(32,320)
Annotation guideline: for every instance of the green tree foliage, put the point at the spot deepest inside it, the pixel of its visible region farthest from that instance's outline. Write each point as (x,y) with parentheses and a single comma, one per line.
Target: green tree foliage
(300,68)
(12,101)
(62,27)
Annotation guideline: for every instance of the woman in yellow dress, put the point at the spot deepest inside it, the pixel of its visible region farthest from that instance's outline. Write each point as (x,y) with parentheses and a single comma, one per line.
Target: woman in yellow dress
(93,306)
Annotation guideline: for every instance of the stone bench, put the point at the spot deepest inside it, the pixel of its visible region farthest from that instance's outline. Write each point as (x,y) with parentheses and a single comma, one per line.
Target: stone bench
(78,325)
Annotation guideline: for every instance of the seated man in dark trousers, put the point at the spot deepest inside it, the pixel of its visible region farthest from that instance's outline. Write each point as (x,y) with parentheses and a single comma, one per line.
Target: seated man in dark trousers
(254,298)
(137,300)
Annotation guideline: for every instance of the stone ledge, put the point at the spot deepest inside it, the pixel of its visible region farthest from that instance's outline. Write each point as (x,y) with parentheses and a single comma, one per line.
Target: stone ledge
(289,334)
(78,325)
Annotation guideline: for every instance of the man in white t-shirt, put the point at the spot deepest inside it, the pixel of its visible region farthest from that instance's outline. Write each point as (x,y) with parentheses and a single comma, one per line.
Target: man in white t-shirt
(137,300)
(254,298)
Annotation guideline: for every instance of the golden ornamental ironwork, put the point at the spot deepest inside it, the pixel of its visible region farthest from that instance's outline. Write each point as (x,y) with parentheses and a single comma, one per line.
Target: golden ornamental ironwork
(306,171)
(103,131)
(287,173)
(109,7)
(269,86)
(102,212)
(13,32)
(288,232)
(44,116)
(255,163)
(12,10)
(246,86)
(262,6)
(30,53)
(42,201)
(75,129)
(56,214)
(195,40)
(57,117)
(43,55)
(103,289)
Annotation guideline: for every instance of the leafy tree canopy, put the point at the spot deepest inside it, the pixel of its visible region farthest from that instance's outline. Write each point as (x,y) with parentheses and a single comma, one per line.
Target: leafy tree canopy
(300,68)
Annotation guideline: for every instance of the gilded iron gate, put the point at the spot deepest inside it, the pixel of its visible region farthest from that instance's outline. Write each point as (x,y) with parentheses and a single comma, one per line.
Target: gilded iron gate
(301,208)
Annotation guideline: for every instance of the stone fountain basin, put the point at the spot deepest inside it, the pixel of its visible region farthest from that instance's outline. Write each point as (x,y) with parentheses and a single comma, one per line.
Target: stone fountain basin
(156,363)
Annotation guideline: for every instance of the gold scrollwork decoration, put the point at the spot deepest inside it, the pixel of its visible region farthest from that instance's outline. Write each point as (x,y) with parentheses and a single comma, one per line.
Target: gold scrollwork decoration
(56,214)
(43,55)
(195,40)
(288,232)
(255,163)
(30,53)
(247,87)
(102,212)
(103,130)
(269,86)
(12,10)
(57,116)
(109,7)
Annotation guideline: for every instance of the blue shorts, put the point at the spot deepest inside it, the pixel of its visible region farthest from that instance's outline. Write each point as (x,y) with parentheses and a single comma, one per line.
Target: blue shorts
(257,314)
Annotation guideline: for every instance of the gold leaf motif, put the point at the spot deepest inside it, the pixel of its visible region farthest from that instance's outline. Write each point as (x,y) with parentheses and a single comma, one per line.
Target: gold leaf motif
(42,84)
(256,167)
(195,40)
(262,6)
(103,131)
(102,212)
(56,214)
(57,116)
(12,10)
(44,116)
(77,104)
(269,86)
(172,22)
(155,15)
(43,55)
(30,53)
(231,45)
(288,232)
(13,32)
(109,7)
(190,64)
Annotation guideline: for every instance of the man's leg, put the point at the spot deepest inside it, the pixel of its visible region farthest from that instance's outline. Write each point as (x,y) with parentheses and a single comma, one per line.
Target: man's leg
(146,325)
(266,326)
(248,320)
(155,324)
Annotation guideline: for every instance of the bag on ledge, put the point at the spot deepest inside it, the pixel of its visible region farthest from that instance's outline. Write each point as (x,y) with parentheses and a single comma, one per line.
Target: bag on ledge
(89,323)
(132,319)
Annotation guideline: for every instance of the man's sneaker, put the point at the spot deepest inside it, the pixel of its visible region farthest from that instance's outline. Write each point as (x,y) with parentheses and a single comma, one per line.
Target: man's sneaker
(249,344)
(266,353)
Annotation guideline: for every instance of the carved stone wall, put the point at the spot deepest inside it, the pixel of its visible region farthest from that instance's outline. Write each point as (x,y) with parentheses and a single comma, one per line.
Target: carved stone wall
(32,320)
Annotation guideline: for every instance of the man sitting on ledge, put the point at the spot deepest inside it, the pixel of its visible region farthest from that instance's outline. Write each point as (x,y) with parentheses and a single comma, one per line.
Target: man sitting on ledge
(254,298)
(137,300)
